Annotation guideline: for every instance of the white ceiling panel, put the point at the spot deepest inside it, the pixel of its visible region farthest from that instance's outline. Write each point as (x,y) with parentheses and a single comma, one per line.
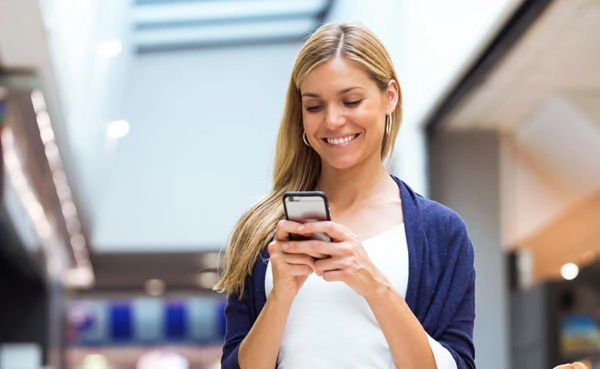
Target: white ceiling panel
(560,53)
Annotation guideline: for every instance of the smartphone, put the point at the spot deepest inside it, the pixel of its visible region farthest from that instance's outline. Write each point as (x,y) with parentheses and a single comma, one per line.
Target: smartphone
(305,207)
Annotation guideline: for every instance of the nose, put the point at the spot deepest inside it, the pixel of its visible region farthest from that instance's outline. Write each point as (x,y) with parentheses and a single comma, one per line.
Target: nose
(334,118)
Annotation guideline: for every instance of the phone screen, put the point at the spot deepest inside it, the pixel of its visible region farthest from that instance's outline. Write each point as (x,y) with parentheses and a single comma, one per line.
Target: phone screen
(307,206)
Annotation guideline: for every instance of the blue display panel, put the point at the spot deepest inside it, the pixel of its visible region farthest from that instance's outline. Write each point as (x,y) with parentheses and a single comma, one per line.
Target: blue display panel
(176,321)
(2,111)
(145,321)
(120,322)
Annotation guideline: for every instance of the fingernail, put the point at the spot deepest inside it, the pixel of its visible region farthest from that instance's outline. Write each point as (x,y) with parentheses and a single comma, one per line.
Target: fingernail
(285,246)
(301,227)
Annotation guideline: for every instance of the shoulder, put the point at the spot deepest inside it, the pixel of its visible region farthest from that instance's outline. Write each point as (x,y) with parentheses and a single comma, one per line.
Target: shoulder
(439,223)
(439,217)
(432,213)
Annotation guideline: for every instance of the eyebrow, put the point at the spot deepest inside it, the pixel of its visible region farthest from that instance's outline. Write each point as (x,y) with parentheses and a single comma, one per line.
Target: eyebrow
(345,90)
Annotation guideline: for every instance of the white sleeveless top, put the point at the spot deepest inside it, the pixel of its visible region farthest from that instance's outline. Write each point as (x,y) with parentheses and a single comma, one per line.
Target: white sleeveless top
(331,326)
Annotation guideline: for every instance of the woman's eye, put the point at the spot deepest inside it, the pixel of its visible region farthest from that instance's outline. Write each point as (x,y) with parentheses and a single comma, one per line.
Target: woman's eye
(314,108)
(352,104)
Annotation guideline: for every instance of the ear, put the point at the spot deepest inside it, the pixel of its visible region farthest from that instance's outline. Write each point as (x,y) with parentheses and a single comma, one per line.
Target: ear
(392,95)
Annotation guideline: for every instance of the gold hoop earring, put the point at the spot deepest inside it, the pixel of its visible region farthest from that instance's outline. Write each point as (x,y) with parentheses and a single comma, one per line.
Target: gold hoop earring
(305,139)
(388,124)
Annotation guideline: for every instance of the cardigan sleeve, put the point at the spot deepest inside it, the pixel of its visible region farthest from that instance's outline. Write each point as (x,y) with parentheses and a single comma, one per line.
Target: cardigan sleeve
(240,314)
(454,291)
(458,338)
(237,313)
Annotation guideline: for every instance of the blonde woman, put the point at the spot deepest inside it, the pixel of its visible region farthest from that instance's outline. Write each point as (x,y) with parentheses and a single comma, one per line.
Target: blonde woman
(395,288)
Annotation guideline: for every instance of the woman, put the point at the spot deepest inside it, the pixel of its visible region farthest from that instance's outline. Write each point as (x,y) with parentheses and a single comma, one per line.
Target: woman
(396,285)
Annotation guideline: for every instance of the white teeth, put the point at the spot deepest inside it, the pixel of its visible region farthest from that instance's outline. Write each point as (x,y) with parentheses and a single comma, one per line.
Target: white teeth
(339,141)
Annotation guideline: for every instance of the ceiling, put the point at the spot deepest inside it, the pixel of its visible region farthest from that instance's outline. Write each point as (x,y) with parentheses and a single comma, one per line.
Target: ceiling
(162,25)
(116,181)
(544,99)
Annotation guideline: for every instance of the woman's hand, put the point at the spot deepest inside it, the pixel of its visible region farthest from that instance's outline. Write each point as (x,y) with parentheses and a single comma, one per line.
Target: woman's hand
(290,270)
(343,260)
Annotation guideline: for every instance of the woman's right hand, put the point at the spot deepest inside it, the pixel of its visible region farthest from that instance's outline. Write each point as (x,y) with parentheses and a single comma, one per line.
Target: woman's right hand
(290,270)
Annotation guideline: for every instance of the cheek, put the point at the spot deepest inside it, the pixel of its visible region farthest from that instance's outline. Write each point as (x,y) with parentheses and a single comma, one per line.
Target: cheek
(310,121)
(369,115)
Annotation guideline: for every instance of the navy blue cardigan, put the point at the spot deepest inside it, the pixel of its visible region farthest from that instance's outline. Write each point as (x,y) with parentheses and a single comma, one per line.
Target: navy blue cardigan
(441,282)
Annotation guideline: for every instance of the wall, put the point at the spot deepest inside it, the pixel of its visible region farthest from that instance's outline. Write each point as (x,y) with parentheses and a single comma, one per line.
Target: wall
(203,123)
(431,42)
(465,175)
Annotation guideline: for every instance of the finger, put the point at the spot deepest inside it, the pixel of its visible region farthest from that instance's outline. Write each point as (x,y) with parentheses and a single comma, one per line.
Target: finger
(277,247)
(299,259)
(315,248)
(335,275)
(307,247)
(331,228)
(298,270)
(277,258)
(286,227)
(324,266)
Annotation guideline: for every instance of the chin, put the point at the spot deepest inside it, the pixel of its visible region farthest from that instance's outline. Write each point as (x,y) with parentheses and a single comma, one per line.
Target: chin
(342,164)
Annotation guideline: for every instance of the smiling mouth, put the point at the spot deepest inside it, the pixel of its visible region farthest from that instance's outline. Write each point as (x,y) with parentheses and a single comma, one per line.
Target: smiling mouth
(341,140)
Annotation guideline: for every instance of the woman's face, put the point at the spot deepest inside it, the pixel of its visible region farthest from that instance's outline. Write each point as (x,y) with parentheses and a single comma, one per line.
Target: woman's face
(344,113)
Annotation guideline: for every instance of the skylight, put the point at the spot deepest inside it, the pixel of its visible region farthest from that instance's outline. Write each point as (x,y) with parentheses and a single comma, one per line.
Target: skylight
(162,25)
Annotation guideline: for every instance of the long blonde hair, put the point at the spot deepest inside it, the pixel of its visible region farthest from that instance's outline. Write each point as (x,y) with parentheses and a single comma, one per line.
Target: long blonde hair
(297,166)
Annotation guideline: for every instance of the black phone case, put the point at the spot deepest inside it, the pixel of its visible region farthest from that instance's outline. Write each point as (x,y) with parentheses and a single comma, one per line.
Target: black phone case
(320,194)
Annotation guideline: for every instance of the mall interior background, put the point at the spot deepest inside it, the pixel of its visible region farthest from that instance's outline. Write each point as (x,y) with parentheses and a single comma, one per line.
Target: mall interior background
(134,134)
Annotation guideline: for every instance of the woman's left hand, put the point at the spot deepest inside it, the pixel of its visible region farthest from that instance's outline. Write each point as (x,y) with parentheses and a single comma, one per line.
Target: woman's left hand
(346,261)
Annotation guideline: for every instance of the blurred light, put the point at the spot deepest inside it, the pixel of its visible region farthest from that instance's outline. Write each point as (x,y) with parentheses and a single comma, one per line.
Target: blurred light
(68,209)
(215,365)
(35,210)
(569,271)
(109,49)
(220,33)
(53,266)
(117,129)
(81,277)
(43,120)
(51,150)
(155,287)
(78,242)
(38,101)
(207,279)
(3,92)
(95,361)
(228,10)
(73,226)
(22,187)
(63,191)
(44,228)
(46,132)
(210,260)
(162,358)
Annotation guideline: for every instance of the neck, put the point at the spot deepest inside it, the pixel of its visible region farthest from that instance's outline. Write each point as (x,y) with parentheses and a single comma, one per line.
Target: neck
(349,188)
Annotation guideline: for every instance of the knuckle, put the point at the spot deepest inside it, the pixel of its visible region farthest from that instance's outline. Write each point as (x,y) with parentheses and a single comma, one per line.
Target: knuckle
(346,249)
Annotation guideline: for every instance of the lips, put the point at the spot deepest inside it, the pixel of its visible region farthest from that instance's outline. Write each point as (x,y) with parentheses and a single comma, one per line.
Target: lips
(341,140)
